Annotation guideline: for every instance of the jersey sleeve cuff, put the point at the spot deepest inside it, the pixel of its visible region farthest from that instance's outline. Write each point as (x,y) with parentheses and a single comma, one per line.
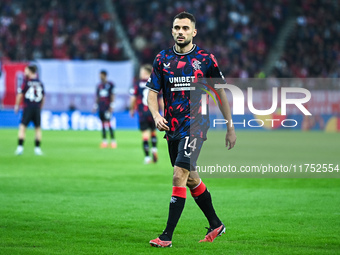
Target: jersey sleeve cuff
(153,89)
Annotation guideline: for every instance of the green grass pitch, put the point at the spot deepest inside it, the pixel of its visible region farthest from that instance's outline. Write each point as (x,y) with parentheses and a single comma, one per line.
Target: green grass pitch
(80,199)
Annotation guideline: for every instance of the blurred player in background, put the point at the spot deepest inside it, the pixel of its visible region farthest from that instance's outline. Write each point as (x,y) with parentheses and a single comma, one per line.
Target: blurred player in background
(139,95)
(175,71)
(33,93)
(104,105)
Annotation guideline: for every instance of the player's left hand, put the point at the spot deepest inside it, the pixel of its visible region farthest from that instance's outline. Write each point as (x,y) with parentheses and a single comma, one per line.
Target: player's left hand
(230,139)
(16,108)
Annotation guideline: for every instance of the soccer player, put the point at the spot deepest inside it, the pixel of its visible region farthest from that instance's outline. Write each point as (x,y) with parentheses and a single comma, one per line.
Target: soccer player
(139,94)
(33,93)
(172,69)
(104,105)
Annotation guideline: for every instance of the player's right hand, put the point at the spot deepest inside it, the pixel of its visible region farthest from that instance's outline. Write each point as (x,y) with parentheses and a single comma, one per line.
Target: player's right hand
(16,108)
(132,113)
(161,123)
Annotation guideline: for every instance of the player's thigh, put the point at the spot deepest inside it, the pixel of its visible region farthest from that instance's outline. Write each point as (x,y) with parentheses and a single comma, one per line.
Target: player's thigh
(105,115)
(101,115)
(173,151)
(143,125)
(36,117)
(151,124)
(189,149)
(26,116)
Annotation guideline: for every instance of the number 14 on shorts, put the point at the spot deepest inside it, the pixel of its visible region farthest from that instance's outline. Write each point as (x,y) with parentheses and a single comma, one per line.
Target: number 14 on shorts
(191,145)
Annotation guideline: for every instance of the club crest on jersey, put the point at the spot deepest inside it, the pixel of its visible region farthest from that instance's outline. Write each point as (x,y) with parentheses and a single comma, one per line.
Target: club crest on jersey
(166,66)
(196,65)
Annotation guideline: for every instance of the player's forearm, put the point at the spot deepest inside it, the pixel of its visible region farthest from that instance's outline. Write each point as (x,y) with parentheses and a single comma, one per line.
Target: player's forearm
(18,100)
(225,108)
(112,99)
(153,104)
(42,103)
(133,103)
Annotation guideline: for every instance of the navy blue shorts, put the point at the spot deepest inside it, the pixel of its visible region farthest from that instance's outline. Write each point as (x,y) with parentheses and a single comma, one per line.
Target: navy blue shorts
(184,152)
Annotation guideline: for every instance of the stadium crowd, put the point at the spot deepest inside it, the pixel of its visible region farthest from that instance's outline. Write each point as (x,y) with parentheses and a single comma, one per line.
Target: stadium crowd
(313,50)
(239,33)
(56,29)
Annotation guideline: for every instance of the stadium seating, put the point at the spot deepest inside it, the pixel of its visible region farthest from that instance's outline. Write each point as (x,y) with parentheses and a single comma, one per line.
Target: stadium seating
(56,29)
(313,50)
(239,33)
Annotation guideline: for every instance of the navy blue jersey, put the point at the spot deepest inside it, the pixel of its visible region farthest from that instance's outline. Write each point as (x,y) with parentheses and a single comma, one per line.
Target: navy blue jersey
(140,91)
(33,91)
(104,93)
(181,78)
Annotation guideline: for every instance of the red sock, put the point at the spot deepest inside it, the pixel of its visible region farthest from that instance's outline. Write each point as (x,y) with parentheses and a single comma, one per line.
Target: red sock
(179,192)
(198,190)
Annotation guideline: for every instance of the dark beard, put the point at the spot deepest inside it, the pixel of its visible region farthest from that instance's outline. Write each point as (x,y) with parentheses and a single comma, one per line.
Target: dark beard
(183,44)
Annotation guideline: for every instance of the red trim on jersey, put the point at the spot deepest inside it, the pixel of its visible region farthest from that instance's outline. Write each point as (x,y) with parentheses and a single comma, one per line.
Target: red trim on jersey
(198,190)
(179,192)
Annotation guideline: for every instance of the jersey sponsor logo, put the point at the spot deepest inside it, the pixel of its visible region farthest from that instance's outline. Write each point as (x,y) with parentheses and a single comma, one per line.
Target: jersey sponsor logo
(166,66)
(181,83)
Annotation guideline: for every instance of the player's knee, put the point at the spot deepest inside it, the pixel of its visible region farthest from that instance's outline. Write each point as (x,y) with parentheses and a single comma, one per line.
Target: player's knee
(178,180)
(180,176)
(193,182)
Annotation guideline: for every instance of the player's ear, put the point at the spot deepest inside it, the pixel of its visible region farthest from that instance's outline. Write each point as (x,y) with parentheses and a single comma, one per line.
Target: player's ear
(194,33)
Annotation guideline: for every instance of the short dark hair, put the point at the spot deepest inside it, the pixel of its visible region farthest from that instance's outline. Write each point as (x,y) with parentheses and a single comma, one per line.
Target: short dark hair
(32,68)
(185,15)
(147,67)
(103,72)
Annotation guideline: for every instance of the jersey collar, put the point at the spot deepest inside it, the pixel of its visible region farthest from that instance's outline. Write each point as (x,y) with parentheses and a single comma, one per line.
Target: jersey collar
(186,53)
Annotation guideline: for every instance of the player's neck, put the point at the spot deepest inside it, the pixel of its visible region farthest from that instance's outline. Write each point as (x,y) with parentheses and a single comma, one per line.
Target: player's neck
(184,49)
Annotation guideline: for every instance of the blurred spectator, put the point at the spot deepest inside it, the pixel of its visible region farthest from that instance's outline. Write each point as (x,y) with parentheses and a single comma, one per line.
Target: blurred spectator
(238,32)
(56,29)
(313,50)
